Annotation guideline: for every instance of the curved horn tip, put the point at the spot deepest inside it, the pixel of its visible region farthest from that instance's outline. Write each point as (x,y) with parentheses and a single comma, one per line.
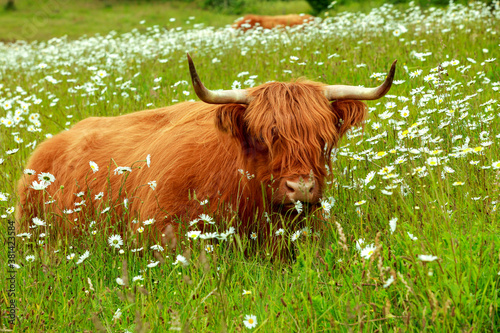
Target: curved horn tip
(194,75)
(190,61)
(189,57)
(392,72)
(393,66)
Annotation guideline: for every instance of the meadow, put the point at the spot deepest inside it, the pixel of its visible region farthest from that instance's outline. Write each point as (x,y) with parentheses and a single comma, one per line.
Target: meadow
(412,240)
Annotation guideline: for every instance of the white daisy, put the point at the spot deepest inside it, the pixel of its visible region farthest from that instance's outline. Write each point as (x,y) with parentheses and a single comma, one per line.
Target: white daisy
(94,166)
(425,257)
(115,241)
(38,221)
(250,321)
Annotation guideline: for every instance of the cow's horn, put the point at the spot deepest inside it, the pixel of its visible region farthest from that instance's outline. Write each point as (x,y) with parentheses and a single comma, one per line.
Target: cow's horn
(238,96)
(336,92)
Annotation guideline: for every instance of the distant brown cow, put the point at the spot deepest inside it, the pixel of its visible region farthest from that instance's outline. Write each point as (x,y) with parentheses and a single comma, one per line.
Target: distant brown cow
(250,21)
(250,153)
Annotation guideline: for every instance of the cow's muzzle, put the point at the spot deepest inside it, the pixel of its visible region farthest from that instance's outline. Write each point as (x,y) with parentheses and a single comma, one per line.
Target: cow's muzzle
(300,188)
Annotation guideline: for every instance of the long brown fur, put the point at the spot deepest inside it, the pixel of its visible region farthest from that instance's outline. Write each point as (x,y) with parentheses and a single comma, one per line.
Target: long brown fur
(196,149)
(250,21)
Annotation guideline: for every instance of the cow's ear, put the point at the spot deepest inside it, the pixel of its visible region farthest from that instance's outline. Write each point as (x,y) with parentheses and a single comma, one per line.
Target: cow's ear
(349,113)
(229,119)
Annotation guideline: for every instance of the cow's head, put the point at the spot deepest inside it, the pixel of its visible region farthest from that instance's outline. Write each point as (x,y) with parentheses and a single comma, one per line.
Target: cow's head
(287,130)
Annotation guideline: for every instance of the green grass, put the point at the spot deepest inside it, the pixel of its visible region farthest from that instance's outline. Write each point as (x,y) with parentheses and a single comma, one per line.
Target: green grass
(42,20)
(329,286)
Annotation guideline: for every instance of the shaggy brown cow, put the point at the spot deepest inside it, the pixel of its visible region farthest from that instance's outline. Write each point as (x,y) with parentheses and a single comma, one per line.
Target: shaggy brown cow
(249,152)
(268,22)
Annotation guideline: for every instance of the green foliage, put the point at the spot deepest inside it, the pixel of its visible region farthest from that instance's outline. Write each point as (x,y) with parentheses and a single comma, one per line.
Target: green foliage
(10,5)
(319,5)
(428,3)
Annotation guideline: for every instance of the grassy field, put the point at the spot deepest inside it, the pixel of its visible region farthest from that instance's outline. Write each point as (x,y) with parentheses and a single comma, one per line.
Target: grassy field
(44,19)
(412,243)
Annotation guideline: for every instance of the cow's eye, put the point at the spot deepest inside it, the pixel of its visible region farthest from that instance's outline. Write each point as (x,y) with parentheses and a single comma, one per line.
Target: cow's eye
(259,144)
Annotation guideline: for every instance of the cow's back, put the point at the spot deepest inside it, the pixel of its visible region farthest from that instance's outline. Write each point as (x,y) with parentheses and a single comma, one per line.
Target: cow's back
(177,138)
(269,22)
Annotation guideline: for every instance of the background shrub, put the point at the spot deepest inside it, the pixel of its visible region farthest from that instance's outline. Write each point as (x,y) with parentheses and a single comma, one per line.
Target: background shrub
(318,5)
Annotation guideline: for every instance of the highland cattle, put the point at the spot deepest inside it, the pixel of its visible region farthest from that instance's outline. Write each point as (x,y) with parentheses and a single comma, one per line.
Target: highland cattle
(251,21)
(239,154)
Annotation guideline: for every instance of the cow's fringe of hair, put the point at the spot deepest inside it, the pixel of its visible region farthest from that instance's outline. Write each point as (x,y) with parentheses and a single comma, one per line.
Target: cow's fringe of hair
(307,129)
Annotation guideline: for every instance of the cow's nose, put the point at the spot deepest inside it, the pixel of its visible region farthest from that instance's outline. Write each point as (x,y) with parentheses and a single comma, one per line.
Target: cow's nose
(302,190)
